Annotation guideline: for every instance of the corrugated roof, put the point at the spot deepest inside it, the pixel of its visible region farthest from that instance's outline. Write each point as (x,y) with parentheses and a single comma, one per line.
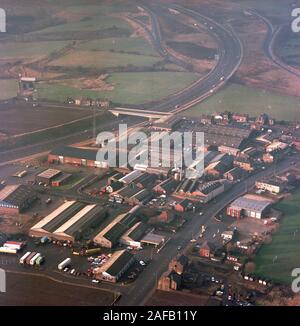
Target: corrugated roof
(250,204)
(49,173)
(74,152)
(16,195)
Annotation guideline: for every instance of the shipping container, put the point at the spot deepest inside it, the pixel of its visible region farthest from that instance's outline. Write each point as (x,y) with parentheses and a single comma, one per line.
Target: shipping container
(23,258)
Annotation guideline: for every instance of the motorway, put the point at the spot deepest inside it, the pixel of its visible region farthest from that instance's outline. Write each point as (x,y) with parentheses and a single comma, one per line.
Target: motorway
(230,57)
(269,44)
(146,282)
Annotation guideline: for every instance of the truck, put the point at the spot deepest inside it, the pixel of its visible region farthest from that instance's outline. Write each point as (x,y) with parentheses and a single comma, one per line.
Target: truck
(40,260)
(34,258)
(27,260)
(13,245)
(5,250)
(23,258)
(64,264)
(45,239)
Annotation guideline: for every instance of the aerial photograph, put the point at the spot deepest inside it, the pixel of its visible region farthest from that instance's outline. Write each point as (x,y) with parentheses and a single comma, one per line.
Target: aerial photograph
(150,155)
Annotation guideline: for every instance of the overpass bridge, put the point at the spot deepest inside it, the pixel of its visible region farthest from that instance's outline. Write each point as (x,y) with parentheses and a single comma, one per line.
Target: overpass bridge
(140,113)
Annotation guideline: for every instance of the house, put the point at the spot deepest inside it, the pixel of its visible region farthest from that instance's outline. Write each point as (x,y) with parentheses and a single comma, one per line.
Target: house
(183,206)
(244,163)
(179,264)
(274,185)
(240,117)
(169,281)
(206,250)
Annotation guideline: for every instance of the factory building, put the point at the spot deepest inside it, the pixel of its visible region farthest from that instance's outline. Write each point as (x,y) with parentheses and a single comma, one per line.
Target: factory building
(112,233)
(133,236)
(69,221)
(166,187)
(15,198)
(75,156)
(249,207)
(47,176)
(274,186)
(115,267)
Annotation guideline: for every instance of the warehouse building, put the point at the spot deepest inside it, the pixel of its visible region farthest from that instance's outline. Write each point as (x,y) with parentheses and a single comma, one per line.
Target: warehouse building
(249,207)
(57,218)
(166,187)
(274,186)
(90,217)
(15,198)
(112,233)
(115,267)
(75,156)
(47,176)
(133,236)
(153,239)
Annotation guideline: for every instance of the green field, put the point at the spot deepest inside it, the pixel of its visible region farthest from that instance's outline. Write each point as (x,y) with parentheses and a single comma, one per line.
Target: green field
(244,99)
(8,88)
(104,59)
(90,24)
(132,44)
(285,244)
(129,88)
(30,49)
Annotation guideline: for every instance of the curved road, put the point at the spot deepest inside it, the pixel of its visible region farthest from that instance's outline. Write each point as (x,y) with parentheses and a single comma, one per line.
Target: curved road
(230,57)
(269,44)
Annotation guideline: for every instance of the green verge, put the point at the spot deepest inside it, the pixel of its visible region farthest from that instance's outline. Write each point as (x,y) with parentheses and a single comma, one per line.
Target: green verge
(254,101)
(285,244)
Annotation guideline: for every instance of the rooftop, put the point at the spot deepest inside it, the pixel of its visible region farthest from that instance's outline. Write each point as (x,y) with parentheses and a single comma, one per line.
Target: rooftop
(250,204)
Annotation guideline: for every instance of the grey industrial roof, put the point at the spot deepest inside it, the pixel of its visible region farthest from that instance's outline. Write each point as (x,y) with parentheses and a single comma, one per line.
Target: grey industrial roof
(80,153)
(16,194)
(63,217)
(118,265)
(49,173)
(250,204)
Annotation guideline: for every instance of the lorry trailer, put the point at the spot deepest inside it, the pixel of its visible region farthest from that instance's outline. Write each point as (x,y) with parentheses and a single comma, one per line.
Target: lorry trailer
(34,258)
(5,250)
(64,264)
(28,259)
(23,258)
(40,261)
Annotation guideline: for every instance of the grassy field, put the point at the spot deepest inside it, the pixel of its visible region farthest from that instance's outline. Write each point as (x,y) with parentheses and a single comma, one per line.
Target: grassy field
(244,99)
(30,49)
(104,59)
(90,24)
(285,244)
(129,88)
(8,88)
(133,44)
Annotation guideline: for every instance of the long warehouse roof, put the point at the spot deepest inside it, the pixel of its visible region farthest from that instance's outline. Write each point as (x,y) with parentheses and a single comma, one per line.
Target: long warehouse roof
(63,228)
(53,215)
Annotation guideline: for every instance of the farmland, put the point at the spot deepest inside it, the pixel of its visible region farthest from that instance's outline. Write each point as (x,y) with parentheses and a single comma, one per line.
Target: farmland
(278,259)
(22,119)
(129,88)
(244,99)
(29,49)
(103,60)
(131,44)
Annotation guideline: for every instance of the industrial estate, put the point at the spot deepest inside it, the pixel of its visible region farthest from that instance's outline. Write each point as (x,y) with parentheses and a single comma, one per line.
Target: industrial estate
(141,234)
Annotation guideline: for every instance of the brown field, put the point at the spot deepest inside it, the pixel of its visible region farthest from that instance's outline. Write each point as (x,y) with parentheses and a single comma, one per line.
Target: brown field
(16,120)
(162,298)
(26,290)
